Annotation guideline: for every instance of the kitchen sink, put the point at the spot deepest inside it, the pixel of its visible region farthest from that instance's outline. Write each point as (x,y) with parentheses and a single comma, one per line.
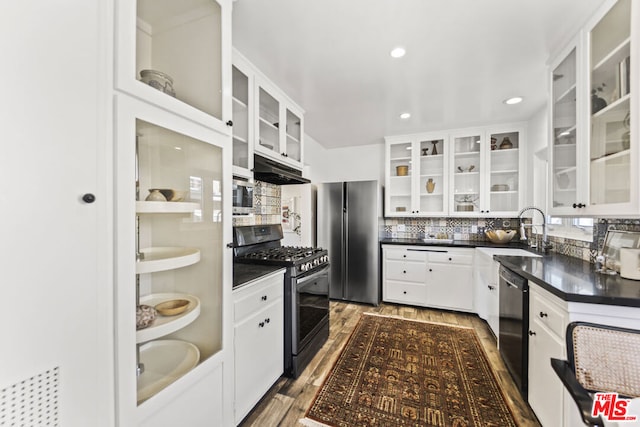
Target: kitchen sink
(436,240)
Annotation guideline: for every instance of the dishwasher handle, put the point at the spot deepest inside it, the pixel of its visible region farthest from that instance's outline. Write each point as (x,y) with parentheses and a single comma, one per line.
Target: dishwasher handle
(512,279)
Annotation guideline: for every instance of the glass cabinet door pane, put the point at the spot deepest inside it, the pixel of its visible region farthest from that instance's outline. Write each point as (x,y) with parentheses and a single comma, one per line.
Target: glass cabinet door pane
(179,236)
(564,132)
(294,134)
(240,119)
(504,164)
(610,50)
(269,121)
(400,171)
(178,51)
(466,173)
(431,155)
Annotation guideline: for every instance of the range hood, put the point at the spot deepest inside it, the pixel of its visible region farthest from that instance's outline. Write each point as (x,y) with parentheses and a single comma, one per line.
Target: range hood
(268,170)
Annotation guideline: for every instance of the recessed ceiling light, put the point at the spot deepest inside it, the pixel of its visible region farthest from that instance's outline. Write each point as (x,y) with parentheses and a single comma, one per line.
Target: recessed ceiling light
(405,116)
(398,52)
(514,100)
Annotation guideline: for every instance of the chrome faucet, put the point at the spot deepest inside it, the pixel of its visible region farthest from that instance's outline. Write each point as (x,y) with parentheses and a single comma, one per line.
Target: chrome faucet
(546,245)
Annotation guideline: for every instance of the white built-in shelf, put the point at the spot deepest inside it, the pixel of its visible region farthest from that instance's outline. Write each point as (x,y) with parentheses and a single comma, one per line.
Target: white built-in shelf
(237,138)
(468,173)
(565,190)
(400,159)
(568,95)
(616,55)
(164,325)
(431,157)
(431,175)
(166,207)
(166,258)
(613,156)
(468,153)
(615,104)
(268,124)
(564,146)
(399,177)
(505,171)
(293,138)
(504,150)
(463,193)
(425,194)
(401,195)
(505,192)
(238,103)
(164,362)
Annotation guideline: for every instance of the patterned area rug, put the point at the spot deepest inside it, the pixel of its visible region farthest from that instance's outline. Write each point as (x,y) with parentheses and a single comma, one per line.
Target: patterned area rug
(397,372)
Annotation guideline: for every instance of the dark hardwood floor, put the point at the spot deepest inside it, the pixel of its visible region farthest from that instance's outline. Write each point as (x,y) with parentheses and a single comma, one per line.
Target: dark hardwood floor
(287,401)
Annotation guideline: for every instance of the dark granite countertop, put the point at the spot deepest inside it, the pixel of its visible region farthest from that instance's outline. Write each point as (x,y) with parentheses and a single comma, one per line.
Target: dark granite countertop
(574,280)
(243,274)
(455,244)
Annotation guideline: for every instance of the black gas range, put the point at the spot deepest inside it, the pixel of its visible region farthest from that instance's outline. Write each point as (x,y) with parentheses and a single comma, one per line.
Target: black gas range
(306,289)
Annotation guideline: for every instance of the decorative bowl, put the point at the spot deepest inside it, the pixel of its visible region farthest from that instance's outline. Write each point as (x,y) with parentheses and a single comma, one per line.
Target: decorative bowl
(500,236)
(172,307)
(499,187)
(170,194)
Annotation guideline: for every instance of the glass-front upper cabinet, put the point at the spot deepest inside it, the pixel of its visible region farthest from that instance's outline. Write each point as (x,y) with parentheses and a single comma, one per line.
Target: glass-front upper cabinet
(466,174)
(293,132)
(171,53)
(564,128)
(416,172)
(242,150)
(504,172)
(610,84)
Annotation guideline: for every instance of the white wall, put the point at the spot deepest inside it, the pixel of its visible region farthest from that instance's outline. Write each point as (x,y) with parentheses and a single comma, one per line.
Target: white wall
(364,162)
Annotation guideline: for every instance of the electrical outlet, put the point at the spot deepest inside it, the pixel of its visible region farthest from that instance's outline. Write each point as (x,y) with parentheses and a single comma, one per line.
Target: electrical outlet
(474,228)
(401,228)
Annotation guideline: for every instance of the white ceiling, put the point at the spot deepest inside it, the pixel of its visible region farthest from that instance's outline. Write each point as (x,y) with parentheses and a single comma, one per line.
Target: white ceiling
(464,57)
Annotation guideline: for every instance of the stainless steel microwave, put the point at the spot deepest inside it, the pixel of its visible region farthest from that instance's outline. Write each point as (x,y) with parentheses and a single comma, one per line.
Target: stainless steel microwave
(242,197)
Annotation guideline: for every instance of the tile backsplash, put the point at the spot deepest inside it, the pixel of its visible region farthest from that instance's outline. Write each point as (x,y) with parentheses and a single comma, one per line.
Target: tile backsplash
(266,206)
(473,229)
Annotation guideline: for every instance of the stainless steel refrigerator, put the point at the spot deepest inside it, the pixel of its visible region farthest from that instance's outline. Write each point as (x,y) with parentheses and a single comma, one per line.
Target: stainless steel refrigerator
(349,217)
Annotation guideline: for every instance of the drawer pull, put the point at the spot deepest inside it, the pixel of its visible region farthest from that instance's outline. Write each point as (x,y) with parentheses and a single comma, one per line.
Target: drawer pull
(261,324)
(263,298)
(491,287)
(543,314)
(531,333)
(267,320)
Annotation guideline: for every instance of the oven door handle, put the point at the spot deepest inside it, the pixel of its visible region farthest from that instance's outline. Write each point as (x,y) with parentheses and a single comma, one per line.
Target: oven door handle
(313,276)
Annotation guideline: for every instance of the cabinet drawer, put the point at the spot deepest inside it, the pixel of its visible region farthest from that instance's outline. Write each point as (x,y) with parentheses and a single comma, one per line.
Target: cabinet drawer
(410,293)
(247,301)
(451,258)
(405,271)
(549,314)
(404,255)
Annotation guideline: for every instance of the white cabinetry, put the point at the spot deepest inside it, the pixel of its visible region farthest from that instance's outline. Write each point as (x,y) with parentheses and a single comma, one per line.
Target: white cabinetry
(449,278)
(243,117)
(487,171)
(416,169)
(594,154)
(172,141)
(266,121)
(548,320)
(404,275)
(428,276)
(258,340)
(464,172)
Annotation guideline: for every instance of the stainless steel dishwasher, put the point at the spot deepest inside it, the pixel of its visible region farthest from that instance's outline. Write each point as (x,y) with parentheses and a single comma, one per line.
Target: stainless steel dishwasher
(513,341)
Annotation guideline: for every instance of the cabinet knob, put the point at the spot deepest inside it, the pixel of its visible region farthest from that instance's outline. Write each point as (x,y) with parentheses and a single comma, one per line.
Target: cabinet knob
(404,256)
(261,324)
(230,245)
(88,198)
(531,333)
(404,271)
(491,287)
(229,123)
(579,205)
(543,314)
(404,292)
(267,320)
(430,269)
(450,259)
(264,298)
